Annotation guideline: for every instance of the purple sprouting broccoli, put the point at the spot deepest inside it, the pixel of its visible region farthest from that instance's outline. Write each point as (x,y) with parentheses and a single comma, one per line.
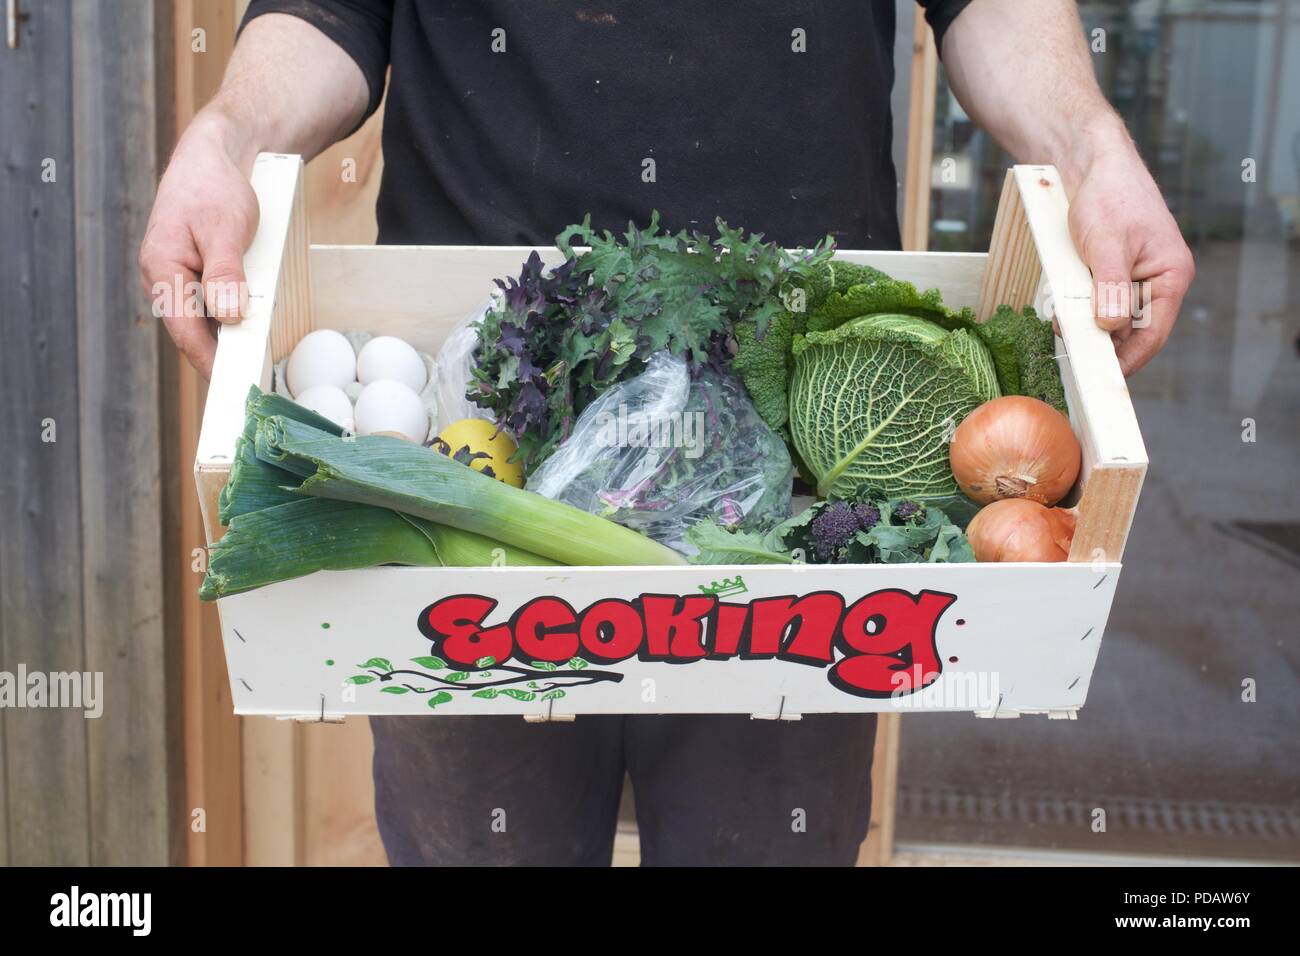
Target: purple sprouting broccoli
(837,522)
(868,515)
(832,530)
(906,510)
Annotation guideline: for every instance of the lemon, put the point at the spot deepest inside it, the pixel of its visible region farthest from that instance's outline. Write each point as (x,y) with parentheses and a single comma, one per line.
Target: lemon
(470,439)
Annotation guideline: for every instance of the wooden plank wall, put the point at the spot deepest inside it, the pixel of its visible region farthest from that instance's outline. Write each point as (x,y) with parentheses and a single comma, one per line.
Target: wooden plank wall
(45,751)
(81,554)
(199,43)
(117,350)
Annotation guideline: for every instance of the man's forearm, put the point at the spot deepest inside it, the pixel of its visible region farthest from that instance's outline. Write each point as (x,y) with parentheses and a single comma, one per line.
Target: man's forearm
(1022,71)
(288,88)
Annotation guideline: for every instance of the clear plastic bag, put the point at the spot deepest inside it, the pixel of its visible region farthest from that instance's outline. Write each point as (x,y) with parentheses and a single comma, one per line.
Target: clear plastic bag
(452,367)
(663,450)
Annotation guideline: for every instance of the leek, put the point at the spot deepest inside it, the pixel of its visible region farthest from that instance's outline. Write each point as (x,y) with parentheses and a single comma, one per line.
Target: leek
(253,485)
(259,405)
(465,549)
(318,534)
(311,534)
(396,474)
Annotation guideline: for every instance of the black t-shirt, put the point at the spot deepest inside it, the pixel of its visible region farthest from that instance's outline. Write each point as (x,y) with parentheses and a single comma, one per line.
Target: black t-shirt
(508,119)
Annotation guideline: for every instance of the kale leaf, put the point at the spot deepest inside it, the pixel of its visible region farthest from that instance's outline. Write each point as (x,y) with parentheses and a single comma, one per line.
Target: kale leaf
(1024,352)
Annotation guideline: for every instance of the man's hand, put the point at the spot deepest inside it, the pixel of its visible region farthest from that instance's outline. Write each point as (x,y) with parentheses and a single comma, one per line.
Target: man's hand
(288,88)
(1022,71)
(1141,267)
(203,219)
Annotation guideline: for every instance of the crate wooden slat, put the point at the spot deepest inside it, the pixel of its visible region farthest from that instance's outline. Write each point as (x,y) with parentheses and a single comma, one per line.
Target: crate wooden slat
(395,288)
(1099,399)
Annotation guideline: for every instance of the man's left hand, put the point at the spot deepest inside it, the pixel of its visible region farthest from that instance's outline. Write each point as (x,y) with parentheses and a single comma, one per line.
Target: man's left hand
(1126,235)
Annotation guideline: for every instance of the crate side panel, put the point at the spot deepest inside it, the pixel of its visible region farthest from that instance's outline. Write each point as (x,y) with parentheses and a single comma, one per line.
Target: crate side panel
(1105,407)
(420,293)
(243,348)
(1014,637)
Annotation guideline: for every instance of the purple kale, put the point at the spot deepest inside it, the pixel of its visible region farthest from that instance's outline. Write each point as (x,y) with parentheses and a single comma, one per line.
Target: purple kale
(512,339)
(832,530)
(530,406)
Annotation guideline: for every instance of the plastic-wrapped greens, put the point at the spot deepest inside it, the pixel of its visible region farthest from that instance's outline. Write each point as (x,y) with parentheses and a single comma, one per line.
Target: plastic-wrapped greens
(664,450)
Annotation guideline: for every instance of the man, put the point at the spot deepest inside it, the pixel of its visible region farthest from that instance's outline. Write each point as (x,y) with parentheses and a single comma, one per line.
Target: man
(504,122)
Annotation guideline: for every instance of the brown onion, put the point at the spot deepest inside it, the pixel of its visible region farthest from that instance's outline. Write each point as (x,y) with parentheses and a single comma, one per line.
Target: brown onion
(1016,529)
(1015,447)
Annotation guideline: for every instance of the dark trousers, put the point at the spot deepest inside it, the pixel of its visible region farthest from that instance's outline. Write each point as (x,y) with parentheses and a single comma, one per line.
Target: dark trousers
(710,790)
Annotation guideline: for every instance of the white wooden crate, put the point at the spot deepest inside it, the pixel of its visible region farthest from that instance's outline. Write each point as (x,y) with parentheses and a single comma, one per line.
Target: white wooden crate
(992,639)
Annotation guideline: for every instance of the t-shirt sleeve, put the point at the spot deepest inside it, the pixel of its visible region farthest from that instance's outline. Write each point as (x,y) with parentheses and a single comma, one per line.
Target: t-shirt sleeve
(940,14)
(361,27)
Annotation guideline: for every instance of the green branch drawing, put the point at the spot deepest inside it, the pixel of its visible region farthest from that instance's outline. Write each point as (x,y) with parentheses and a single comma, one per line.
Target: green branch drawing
(477,684)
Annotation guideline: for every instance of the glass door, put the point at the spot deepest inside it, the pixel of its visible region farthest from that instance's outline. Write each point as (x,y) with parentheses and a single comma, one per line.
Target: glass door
(1188,745)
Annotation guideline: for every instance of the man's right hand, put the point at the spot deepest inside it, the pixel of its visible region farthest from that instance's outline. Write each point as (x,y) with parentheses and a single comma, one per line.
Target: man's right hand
(288,88)
(203,219)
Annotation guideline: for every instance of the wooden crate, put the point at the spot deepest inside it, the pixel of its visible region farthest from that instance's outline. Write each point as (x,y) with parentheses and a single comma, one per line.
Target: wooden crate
(1004,639)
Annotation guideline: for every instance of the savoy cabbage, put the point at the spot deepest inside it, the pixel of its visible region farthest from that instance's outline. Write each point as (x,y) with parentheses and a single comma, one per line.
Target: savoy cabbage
(874,403)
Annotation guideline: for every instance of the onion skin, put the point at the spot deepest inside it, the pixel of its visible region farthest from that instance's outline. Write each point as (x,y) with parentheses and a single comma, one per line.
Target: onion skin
(1017,529)
(1015,447)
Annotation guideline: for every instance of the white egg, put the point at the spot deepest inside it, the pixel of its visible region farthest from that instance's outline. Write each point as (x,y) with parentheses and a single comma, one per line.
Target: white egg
(387,357)
(393,407)
(323,357)
(330,401)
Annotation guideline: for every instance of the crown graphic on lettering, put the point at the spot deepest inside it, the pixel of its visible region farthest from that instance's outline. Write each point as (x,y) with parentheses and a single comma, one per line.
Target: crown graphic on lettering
(725,588)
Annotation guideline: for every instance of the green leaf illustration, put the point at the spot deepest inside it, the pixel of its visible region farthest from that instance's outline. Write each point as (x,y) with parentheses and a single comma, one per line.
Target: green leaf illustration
(382,663)
(485,662)
(433,663)
(393,690)
(553,694)
(484,673)
(545,666)
(518,694)
(457,676)
(487,693)
(361,679)
(439,698)
(577,663)
(532,684)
